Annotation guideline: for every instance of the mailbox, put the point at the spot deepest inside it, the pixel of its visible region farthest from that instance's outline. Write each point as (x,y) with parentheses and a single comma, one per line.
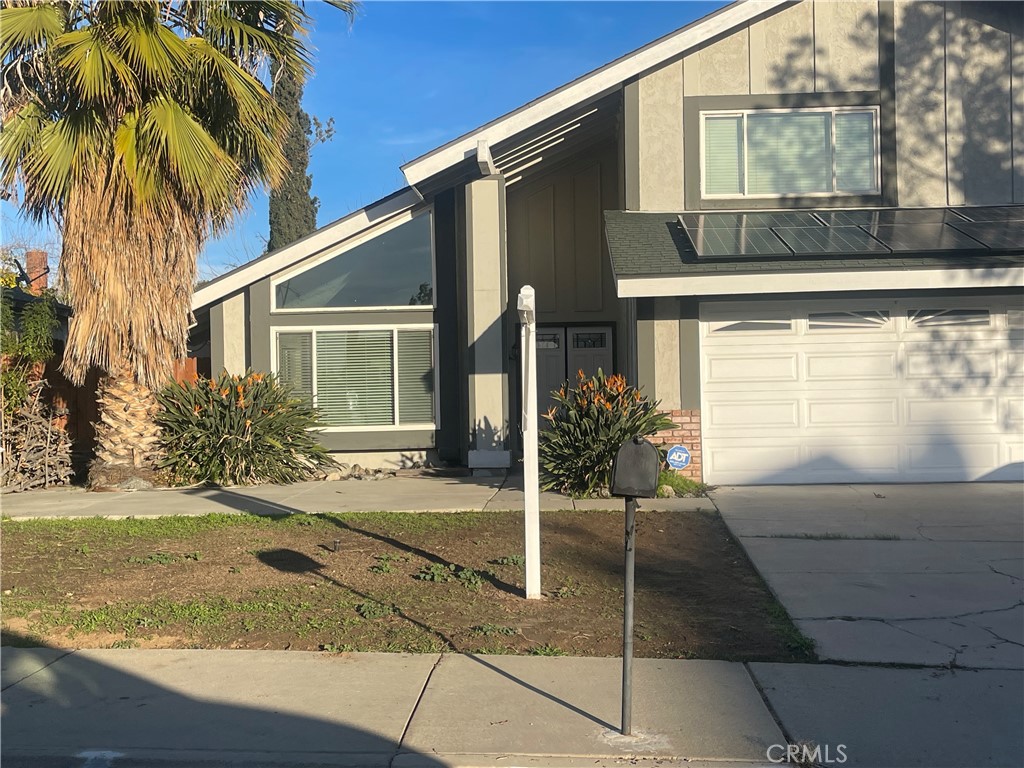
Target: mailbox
(635,470)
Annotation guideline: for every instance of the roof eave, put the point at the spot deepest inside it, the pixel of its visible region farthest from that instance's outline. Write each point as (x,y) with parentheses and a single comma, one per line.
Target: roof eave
(589,86)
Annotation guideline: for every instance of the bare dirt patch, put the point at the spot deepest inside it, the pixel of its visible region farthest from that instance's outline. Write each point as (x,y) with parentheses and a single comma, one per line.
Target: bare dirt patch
(397,582)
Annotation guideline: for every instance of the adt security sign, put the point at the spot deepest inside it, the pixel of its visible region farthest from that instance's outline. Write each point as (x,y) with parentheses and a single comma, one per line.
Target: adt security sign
(678,457)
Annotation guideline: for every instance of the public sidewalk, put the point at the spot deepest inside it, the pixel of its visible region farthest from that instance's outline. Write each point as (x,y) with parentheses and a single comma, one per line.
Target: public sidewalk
(161,708)
(397,494)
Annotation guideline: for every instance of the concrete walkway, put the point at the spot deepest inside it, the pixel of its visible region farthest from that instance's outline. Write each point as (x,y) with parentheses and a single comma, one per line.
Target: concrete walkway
(397,494)
(897,574)
(160,708)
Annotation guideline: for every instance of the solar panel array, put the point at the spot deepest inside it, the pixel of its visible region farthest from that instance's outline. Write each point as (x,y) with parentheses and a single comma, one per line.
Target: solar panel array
(875,232)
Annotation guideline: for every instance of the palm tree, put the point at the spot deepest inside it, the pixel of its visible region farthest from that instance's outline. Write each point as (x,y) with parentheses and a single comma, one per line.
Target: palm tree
(140,127)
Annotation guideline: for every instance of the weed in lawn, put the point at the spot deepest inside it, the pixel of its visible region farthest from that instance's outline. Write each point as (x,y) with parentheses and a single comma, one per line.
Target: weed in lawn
(126,643)
(436,572)
(492,650)
(569,589)
(82,550)
(795,640)
(546,650)
(337,647)
(381,567)
(491,630)
(383,564)
(509,560)
(235,569)
(157,558)
(471,579)
(372,609)
(829,536)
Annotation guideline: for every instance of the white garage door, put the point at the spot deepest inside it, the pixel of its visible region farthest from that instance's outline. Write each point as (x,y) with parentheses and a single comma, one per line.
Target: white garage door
(869,391)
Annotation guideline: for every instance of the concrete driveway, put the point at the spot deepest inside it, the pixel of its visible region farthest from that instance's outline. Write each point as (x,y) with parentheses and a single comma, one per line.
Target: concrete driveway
(904,574)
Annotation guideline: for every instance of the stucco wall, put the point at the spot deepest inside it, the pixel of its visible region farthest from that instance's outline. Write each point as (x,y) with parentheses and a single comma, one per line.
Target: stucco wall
(960,123)
(954,73)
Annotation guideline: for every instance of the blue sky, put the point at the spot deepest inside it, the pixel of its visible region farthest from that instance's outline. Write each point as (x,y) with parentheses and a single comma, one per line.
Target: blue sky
(406,77)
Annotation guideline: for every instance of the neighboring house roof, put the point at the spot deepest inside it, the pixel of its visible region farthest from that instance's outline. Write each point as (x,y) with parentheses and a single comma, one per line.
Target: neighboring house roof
(653,250)
(585,89)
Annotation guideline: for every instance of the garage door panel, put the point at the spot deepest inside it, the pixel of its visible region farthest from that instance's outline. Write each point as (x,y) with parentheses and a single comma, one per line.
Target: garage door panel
(877,366)
(946,363)
(764,413)
(913,395)
(950,411)
(730,369)
(972,457)
(828,414)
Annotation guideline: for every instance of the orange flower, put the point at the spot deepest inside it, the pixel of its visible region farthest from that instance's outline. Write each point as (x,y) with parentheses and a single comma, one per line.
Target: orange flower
(240,389)
(579,374)
(248,423)
(213,385)
(241,403)
(550,415)
(197,409)
(225,392)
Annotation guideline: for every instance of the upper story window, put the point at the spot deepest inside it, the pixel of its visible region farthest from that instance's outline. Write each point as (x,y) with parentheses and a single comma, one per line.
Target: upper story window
(393,269)
(772,153)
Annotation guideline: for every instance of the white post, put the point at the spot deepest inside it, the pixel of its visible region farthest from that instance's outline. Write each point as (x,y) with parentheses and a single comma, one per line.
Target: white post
(531,473)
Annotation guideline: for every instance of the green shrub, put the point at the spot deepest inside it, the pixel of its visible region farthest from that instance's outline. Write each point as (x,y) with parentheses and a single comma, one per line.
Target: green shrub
(588,424)
(238,430)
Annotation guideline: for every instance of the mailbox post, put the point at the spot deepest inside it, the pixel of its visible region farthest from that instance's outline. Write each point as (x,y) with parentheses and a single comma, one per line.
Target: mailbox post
(527,306)
(634,474)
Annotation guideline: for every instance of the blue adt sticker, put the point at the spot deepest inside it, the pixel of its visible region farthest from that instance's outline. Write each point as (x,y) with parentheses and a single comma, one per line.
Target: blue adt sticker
(678,457)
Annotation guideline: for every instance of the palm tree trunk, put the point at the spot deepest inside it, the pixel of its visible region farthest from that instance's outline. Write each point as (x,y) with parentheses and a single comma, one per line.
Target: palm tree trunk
(127,437)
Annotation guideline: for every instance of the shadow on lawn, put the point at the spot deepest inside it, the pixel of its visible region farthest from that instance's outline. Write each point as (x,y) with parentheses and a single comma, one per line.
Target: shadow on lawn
(292,561)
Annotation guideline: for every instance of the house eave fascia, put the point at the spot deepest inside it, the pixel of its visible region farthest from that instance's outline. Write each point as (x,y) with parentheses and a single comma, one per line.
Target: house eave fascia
(323,238)
(590,86)
(657,286)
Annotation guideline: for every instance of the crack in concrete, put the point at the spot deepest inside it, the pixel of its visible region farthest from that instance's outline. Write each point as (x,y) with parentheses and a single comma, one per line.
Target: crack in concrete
(1000,637)
(885,619)
(1003,573)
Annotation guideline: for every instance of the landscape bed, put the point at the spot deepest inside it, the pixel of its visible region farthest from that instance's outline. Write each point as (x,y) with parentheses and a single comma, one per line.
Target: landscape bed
(397,582)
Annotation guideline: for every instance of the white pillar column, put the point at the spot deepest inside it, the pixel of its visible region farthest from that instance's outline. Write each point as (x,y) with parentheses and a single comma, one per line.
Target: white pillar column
(486,300)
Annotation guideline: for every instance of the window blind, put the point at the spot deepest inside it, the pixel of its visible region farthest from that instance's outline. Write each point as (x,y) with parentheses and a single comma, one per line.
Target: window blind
(355,378)
(723,155)
(295,363)
(415,377)
(789,153)
(855,151)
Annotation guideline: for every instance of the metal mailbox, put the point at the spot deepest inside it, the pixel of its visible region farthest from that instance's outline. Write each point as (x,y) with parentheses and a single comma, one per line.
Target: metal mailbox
(635,470)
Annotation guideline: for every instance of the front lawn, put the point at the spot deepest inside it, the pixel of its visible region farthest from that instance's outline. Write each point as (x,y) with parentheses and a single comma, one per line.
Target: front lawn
(397,582)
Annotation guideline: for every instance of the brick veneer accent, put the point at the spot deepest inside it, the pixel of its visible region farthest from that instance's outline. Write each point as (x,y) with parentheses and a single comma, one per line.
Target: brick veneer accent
(686,432)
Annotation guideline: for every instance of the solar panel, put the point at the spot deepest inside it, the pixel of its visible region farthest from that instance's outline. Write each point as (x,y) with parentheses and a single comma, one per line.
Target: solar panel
(996,234)
(758,219)
(924,237)
(864,218)
(723,243)
(993,213)
(829,240)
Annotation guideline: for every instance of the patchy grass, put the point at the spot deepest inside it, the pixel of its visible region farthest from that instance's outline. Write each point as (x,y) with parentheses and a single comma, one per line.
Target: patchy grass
(681,486)
(398,582)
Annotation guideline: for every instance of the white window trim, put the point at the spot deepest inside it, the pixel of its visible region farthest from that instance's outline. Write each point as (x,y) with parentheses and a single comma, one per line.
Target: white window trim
(876,161)
(394,328)
(348,245)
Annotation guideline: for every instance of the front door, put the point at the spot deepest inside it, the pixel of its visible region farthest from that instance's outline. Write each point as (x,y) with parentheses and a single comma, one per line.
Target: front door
(562,351)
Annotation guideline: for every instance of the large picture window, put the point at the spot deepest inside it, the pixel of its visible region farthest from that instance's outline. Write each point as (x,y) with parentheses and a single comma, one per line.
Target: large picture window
(362,378)
(772,153)
(392,269)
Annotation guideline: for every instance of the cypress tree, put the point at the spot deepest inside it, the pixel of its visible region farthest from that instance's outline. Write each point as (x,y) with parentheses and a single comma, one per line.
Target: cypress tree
(292,209)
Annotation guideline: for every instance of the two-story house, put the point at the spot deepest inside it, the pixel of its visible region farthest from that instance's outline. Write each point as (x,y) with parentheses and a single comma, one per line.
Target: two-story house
(798,225)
